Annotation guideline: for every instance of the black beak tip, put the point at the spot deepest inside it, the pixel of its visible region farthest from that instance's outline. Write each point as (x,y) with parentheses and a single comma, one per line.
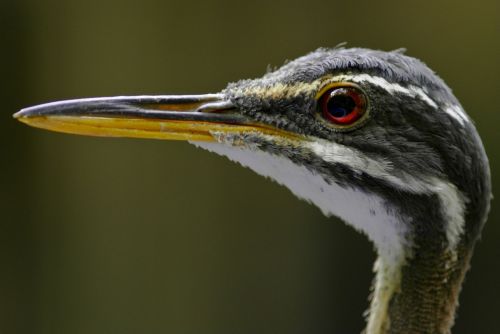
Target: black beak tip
(21,113)
(31,111)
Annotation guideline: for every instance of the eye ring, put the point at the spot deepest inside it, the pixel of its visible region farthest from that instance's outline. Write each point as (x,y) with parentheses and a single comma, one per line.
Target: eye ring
(342,105)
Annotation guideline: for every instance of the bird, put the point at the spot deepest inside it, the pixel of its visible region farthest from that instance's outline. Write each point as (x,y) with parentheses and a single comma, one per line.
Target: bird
(373,137)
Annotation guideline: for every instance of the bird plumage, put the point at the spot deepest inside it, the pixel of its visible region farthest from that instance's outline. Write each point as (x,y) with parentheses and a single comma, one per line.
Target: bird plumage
(411,173)
(419,158)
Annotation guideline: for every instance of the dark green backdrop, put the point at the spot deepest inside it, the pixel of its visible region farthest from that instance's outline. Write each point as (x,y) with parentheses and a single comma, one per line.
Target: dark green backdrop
(136,236)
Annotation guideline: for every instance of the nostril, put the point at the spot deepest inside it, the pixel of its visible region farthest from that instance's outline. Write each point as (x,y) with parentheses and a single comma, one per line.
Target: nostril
(216,107)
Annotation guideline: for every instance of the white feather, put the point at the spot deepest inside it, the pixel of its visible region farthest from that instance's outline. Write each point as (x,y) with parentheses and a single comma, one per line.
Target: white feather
(457,113)
(452,201)
(388,86)
(365,212)
(454,111)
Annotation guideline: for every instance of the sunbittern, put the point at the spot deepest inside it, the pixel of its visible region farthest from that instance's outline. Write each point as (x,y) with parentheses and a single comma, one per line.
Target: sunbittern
(375,138)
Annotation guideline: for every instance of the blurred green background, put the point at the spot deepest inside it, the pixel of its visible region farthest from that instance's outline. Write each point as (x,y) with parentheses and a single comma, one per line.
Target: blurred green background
(135,236)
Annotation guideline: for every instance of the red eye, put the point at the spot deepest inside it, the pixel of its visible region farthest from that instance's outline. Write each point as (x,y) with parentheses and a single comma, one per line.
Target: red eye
(343,105)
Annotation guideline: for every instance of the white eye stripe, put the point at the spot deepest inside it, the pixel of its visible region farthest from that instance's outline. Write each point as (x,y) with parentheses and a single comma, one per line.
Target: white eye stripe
(457,113)
(454,111)
(280,90)
(412,91)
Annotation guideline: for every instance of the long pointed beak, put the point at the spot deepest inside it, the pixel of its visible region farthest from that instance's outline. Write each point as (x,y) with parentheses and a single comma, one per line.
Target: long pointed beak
(183,117)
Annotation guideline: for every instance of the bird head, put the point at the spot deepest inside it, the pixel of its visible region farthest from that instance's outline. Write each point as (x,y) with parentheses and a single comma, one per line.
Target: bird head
(378,123)
(373,137)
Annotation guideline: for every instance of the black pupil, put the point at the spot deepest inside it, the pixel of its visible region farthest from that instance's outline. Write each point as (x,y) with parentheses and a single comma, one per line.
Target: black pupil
(340,105)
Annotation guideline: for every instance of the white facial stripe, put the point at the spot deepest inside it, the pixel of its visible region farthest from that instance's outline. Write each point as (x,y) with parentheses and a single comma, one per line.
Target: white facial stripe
(332,152)
(454,111)
(412,91)
(452,202)
(420,92)
(379,168)
(457,113)
(374,80)
(453,209)
(281,90)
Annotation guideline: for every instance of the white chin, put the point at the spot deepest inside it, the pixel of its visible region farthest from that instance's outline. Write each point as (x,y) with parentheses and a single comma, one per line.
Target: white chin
(364,211)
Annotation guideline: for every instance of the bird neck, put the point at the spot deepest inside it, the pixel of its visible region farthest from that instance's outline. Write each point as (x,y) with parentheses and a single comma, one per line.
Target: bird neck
(419,294)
